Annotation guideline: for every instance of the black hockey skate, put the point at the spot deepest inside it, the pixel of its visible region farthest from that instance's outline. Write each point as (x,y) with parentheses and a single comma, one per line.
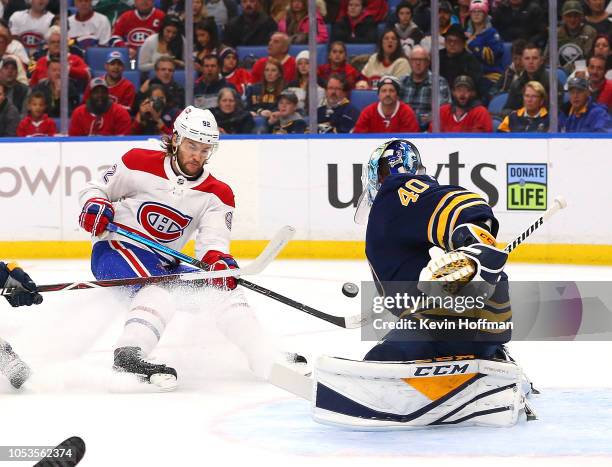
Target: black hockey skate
(13,367)
(130,360)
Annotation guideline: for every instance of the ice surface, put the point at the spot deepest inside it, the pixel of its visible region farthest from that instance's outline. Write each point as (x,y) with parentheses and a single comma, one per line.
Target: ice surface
(221,414)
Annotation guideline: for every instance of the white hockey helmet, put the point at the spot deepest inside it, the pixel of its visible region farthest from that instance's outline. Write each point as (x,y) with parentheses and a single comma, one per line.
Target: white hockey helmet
(198,125)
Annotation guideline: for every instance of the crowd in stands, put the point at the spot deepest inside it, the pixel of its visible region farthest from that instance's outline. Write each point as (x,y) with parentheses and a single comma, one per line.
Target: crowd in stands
(126,61)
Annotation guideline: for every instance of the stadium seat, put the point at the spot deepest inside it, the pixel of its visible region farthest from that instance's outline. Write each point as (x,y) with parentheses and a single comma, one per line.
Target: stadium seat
(96,56)
(321,52)
(360,49)
(497,104)
(380,28)
(255,50)
(58,123)
(130,75)
(496,123)
(507,58)
(361,98)
(393,5)
(561,77)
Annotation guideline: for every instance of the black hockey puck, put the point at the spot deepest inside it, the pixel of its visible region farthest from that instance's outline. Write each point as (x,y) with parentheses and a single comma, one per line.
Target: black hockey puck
(350,290)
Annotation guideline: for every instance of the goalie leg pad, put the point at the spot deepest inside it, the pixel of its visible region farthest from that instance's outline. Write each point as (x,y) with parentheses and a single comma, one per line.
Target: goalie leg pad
(407,395)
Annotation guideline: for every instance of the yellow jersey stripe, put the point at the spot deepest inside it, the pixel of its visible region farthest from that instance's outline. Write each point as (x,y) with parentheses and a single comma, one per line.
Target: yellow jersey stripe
(443,221)
(435,213)
(458,211)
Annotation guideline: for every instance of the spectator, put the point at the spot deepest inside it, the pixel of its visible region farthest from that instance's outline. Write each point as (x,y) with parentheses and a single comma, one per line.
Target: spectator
(200,12)
(15,91)
(121,90)
(533,70)
(465,114)
(262,97)
(355,27)
(286,120)
(206,41)
(602,48)
(134,26)
(99,115)
(277,9)
(462,12)
(222,11)
(389,59)
(37,122)
(230,115)
(337,114)
(575,38)
(390,114)
(599,18)
(148,120)
(520,19)
(417,86)
(581,113)
(174,8)
(51,88)
(515,68)
(238,77)
(295,24)
(207,86)
(5,41)
(77,68)
(164,74)
(252,27)
(278,49)
(445,21)
(533,116)
(31,25)
(299,86)
(9,115)
(410,34)
(455,60)
(167,42)
(601,88)
(337,65)
(88,27)
(377,9)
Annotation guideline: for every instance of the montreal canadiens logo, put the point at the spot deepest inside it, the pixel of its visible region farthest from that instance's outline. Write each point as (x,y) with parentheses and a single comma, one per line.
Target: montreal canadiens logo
(139,35)
(162,222)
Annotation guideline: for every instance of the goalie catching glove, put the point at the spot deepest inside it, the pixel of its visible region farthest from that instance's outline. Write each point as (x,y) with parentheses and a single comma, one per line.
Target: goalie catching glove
(218,261)
(96,215)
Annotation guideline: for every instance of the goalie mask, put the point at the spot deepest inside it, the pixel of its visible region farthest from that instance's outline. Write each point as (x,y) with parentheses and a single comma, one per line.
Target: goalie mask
(398,156)
(198,125)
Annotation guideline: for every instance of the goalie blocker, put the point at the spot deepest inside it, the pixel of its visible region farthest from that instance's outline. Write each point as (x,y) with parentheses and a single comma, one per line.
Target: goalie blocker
(455,391)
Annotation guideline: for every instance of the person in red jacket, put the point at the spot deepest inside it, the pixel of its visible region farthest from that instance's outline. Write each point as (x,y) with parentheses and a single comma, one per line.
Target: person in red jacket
(239,77)
(278,48)
(78,69)
(465,114)
(390,114)
(100,115)
(337,65)
(134,26)
(121,90)
(37,122)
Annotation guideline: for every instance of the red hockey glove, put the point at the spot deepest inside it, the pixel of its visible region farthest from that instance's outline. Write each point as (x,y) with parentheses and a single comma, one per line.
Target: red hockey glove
(218,261)
(96,215)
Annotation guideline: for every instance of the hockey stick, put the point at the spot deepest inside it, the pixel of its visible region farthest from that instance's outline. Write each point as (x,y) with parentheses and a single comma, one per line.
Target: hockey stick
(271,251)
(345,322)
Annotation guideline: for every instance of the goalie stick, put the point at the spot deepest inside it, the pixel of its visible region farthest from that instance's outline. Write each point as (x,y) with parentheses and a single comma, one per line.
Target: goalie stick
(270,252)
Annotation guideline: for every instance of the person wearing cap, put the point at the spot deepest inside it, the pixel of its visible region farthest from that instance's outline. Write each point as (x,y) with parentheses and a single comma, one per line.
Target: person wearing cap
(51,87)
(388,60)
(582,114)
(575,38)
(533,116)
(390,114)
(167,42)
(88,27)
(278,49)
(237,76)
(295,23)
(465,114)
(251,27)
(100,115)
(337,65)
(300,84)
(207,86)
(455,60)
(15,91)
(337,114)
(121,90)
(77,68)
(357,26)
(9,115)
(520,19)
(286,120)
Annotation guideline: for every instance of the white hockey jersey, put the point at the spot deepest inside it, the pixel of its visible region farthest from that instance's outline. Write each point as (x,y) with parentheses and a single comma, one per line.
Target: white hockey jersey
(94,31)
(30,31)
(150,199)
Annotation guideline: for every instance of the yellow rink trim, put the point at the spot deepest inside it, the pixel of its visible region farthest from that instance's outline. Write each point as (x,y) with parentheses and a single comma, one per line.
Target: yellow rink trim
(319,249)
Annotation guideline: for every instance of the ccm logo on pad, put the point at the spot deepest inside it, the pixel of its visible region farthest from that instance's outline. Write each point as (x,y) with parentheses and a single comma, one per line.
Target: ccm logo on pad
(162,222)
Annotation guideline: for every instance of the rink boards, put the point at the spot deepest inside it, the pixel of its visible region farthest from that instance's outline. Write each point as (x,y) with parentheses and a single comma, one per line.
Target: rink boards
(313,184)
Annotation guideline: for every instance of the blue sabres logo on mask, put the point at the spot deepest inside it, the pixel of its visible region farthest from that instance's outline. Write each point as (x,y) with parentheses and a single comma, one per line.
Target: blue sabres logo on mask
(162,222)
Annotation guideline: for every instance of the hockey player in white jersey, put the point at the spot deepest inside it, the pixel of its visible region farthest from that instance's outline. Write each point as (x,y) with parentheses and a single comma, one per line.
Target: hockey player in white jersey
(168,196)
